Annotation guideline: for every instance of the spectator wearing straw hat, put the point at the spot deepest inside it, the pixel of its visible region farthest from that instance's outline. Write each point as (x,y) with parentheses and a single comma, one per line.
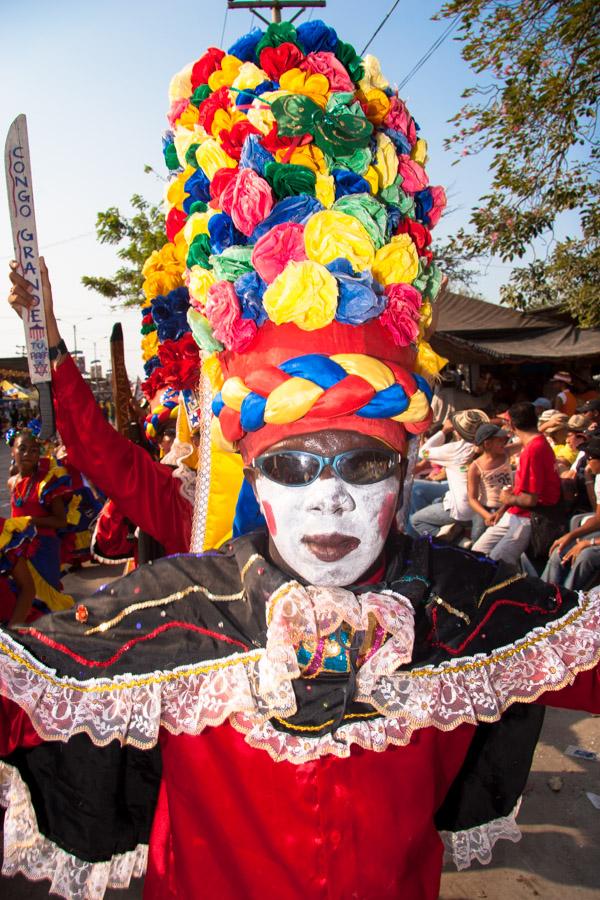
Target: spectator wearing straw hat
(455,456)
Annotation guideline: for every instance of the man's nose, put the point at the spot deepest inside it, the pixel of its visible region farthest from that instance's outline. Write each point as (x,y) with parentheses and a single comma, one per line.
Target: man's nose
(330,495)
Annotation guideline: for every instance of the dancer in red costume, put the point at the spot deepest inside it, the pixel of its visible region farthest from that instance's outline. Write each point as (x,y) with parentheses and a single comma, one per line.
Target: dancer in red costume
(17,589)
(313,710)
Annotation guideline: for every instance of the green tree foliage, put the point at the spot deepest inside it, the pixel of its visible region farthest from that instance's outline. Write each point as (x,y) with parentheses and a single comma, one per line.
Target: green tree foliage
(536,111)
(137,236)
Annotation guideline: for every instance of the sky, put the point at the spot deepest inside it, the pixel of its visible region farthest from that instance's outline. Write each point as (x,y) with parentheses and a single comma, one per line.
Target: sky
(92,79)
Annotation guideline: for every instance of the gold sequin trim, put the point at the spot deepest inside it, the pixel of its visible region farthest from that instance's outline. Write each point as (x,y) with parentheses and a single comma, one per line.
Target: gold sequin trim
(451,609)
(161,601)
(278,595)
(498,587)
(254,558)
(371,715)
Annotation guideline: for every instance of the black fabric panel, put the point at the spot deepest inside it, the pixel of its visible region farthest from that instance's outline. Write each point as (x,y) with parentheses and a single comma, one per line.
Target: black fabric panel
(495,771)
(93,802)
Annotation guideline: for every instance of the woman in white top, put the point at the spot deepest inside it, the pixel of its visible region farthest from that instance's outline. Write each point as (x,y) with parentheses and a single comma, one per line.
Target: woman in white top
(487,476)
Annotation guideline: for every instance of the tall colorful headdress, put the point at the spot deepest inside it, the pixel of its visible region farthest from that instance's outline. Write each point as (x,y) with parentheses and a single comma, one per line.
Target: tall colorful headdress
(298,218)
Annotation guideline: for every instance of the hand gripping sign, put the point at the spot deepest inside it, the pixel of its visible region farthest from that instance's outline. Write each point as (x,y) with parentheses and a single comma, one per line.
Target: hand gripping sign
(22,219)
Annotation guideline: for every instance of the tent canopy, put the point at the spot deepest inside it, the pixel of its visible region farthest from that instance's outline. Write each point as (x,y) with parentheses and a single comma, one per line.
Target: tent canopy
(470,330)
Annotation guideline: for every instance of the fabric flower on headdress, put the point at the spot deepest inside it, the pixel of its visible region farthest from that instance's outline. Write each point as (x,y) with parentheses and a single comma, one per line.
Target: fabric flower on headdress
(254,155)
(430,204)
(223,233)
(224,314)
(397,262)
(245,47)
(376,105)
(330,235)
(232,140)
(206,65)
(277,60)
(289,181)
(399,119)
(386,161)
(401,315)
(250,289)
(232,262)
(414,176)
(305,293)
(211,157)
(358,299)
(291,209)
(248,199)
(162,272)
(420,235)
(169,314)
(316,36)
(277,248)
(226,74)
(199,281)
(334,130)
(369,212)
(180,362)
(309,84)
(373,78)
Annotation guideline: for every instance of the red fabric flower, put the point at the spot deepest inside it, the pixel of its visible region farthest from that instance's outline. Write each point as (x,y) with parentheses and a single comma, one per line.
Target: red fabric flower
(174,222)
(207,109)
(178,107)
(401,120)
(180,362)
(401,315)
(419,233)
(154,383)
(206,65)
(277,60)
(274,141)
(233,140)
(219,184)
(329,65)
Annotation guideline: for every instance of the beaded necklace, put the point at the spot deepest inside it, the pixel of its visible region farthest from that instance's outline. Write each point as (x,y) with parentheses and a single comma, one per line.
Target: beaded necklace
(22,498)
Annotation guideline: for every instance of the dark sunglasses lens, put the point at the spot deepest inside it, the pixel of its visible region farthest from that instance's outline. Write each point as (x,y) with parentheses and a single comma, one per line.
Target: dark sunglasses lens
(365,466)
(292,469)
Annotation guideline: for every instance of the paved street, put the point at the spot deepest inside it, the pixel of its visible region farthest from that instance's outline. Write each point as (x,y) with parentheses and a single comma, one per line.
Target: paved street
(559,856)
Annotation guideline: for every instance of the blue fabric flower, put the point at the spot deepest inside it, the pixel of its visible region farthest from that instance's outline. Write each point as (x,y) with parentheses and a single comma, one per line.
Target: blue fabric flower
(170,314)
(394,218)
(423,205)
(245,46)
(290,209)
(198,188)
(254,155)
(151,365)
(317,37)
(223,233)
(246,98)
(358,300)
(347,182)
(250,289)
(399,140)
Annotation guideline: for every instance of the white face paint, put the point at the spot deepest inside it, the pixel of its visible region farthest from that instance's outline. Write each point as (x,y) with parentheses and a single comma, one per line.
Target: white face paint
(329,532)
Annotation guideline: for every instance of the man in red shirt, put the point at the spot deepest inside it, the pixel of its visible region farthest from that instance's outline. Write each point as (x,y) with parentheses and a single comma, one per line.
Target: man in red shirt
(537,483)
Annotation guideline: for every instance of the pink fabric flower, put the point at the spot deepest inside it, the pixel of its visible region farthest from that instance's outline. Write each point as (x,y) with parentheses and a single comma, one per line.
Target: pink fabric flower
(401,120)
(248,199)
(178,107)
(224,314)
(401,315)
(329,65)
(439,205)
(274,250)
(414,176)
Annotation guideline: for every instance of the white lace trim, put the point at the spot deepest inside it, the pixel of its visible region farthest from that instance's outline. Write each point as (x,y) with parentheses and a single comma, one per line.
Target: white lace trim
(251,688)
(462,847)
(29,853)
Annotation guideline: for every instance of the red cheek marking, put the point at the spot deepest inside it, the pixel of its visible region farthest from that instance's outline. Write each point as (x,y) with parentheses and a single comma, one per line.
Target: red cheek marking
(384,519)
(271,524)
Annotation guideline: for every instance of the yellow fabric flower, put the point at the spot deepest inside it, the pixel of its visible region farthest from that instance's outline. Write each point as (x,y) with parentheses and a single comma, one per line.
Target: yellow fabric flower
(310,85)
(180,87)
(372,177)
(175,193)
(309,156)
(162,271)
(226,75)
(325,189)
(189,117)
(425,318)
(397,262)
(304,293)
(211,157)
(378,105)
(419,152)
(373,77)
(428,363)
(199,281)
(149,345)
(180,250)
(331,234)
(185,137)
(211,367)
(386,161)
(197,224)
(249,77)
(225,119)
(261,117)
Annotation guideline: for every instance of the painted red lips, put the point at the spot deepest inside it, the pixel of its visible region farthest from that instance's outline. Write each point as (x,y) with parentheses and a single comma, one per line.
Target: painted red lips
(330,547)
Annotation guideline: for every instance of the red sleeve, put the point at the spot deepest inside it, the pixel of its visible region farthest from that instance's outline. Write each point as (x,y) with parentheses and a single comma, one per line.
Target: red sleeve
(583,694)
(143,490)
(15,728)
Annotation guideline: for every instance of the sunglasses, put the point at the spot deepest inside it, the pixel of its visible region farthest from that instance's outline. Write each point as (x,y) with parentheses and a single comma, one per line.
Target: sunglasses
(297,468)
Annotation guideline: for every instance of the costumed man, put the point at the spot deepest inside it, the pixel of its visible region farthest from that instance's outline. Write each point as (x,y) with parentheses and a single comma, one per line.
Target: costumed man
(329,692)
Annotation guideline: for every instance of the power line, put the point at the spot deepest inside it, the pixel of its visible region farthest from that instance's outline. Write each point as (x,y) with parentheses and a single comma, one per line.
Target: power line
(224,26)
(429,53)
(379,27)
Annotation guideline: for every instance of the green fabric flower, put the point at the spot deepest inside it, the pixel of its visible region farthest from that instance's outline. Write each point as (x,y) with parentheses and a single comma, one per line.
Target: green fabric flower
(202,331)
(369,212)
(348,56)
(201,93)
(434,282)
(199,252)
(190,156)
(394,194)
(358,162)
(170,154)
(277,33)
(232,262)
(198,206)
(337,132)
(290,180)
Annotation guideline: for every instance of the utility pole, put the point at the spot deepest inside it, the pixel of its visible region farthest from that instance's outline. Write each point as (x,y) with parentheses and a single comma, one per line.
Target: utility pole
(275,6)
